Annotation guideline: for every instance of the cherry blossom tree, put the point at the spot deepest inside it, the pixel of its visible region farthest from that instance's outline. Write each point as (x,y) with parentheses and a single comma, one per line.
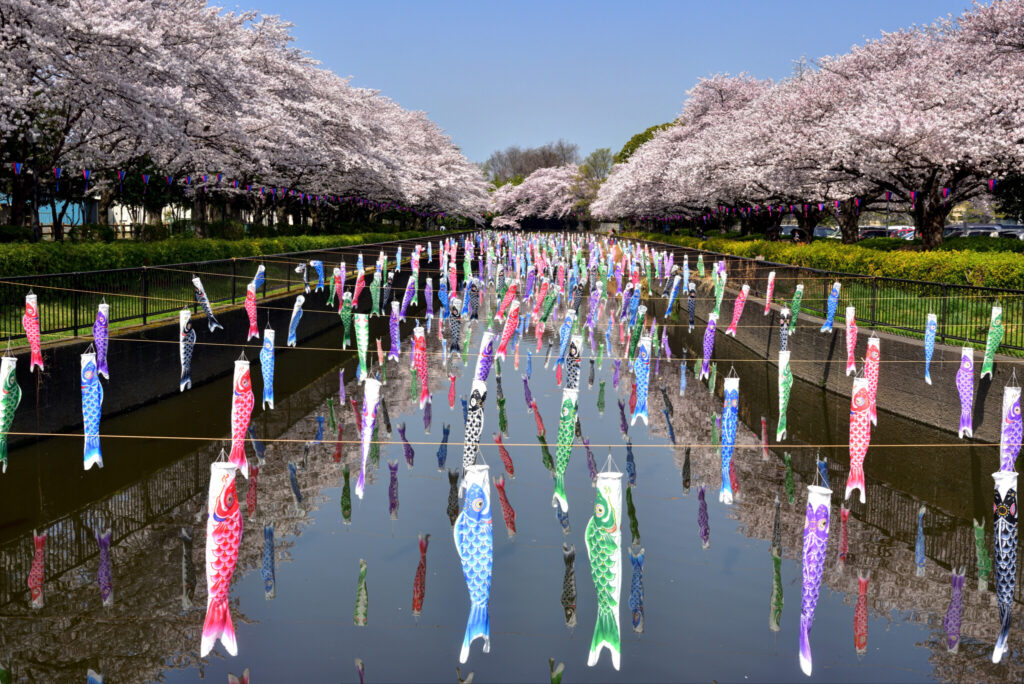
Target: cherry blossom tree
(202,96)
(548,193)
(925,116)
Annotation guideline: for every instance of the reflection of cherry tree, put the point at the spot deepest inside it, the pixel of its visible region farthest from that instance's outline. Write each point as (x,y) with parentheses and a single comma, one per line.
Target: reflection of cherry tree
(927,114)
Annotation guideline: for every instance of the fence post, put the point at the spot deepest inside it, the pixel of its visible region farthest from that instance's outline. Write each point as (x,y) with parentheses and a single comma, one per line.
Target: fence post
(74,302)
(233,272)
(945,298)
(874,298)
(145,295)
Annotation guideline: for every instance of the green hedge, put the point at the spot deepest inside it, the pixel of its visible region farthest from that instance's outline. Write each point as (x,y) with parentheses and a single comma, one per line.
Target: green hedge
(949,265)
(55,257)
(971,244)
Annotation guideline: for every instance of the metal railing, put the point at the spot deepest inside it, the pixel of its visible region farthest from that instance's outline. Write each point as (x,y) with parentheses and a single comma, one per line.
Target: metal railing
(893,304)
(141,295)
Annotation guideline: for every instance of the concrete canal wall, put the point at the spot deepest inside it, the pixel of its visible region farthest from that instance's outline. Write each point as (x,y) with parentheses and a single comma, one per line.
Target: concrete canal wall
(145,366)
(820,358)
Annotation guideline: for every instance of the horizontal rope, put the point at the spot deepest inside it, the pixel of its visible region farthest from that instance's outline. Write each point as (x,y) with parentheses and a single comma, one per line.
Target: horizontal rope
(608,358)
(282,440)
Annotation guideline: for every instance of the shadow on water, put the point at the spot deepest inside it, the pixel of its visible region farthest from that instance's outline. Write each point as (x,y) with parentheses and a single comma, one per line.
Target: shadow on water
(704,613)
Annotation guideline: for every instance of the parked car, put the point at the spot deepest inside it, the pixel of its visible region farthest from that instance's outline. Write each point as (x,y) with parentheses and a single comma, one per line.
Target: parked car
(975,231)
(1012,233)
(867,233)
(828,232)
(905,232)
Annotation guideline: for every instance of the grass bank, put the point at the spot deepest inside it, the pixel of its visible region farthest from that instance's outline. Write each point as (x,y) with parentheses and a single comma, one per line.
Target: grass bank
(68,257)
(968,265)
(901,308)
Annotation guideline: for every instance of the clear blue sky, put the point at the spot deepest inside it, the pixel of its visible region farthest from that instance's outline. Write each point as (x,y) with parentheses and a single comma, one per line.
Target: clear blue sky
(493,74)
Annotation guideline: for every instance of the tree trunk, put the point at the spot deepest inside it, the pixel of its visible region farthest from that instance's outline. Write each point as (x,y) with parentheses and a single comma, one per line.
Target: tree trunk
(849,221)
(103,211)
(807,221)
(17,216)
(930,220)
(56,222)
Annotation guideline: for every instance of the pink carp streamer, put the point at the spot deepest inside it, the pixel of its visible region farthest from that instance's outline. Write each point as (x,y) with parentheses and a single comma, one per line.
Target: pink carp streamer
(851,340)
(770,292)
(860,437)
(871,364)
(737,309)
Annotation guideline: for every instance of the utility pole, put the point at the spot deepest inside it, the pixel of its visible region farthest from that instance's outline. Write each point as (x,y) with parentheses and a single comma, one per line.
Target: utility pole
(37,230)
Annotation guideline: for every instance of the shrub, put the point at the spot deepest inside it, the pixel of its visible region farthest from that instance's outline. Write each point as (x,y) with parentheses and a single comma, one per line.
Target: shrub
(982,244)
(91,232)
(228,229)
(182,227)
(61,257)
(1003,269)
(152,233)
(258,230)
(16,234)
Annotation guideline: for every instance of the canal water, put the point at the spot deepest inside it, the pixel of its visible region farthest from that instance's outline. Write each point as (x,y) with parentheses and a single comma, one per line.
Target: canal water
(708,613)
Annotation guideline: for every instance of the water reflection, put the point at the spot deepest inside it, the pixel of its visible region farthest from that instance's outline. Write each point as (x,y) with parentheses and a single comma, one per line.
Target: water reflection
(878,541)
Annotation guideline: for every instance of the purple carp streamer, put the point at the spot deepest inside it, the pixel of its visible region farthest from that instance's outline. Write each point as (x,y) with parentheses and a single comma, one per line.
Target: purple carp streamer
(1010,434)
(965,387)
(816,523)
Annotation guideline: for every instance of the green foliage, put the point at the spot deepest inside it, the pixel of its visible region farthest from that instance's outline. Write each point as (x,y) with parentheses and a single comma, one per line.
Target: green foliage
(516,179)
(91,232)
(637,140)
(887,244)
(180,227)
(61,257)
(227,229)
(153,233)
(982,244)
(15,234)
(946,265)
(597,165)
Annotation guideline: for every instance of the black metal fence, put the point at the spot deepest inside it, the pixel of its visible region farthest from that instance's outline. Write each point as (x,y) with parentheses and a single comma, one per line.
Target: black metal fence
(142,295)
(892,304)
